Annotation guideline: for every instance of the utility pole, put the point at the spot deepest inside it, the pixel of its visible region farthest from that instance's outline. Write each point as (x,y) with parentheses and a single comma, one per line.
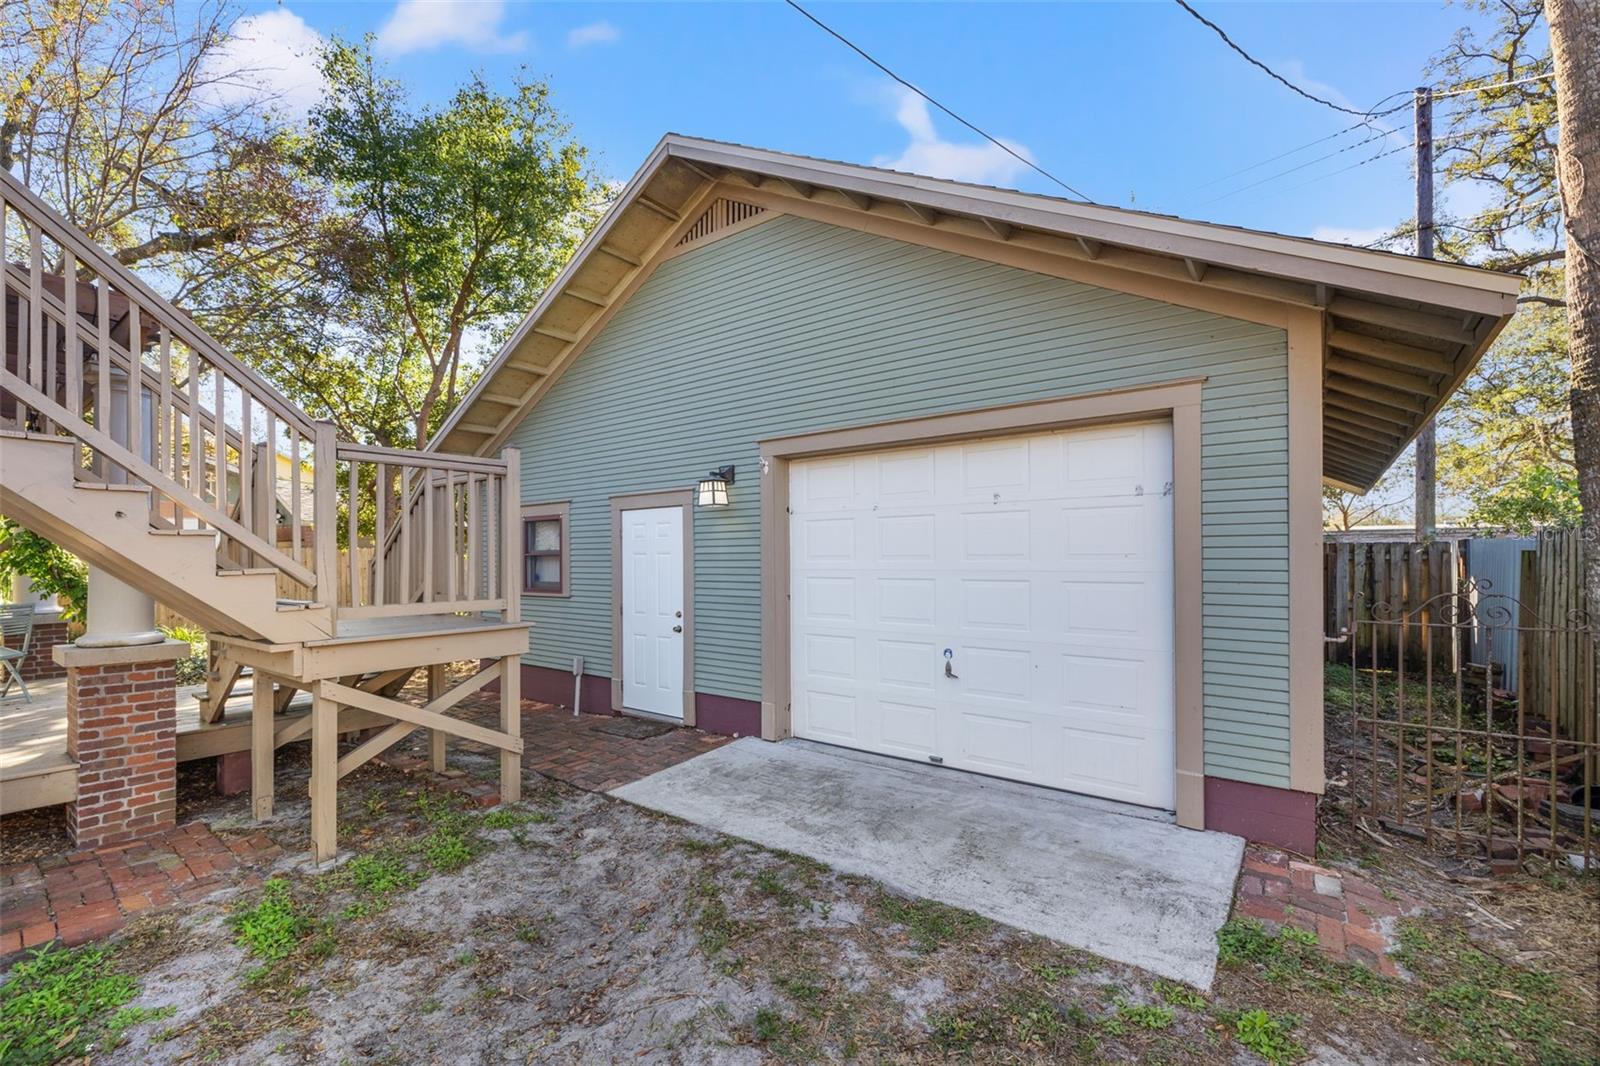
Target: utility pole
(1426,512)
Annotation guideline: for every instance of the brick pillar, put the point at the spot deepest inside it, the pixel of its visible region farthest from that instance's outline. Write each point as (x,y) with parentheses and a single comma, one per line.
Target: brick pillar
(122,729)
(40,665)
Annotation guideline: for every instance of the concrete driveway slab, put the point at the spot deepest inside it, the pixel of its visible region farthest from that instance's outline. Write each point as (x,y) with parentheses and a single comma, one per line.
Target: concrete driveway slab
(1117,881)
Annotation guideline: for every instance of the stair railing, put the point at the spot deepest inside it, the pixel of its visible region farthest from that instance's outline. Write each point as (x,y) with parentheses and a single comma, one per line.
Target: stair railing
(95,355)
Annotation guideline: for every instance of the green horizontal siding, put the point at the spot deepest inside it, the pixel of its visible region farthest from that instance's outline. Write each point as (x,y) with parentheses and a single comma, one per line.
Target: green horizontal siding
(796,326)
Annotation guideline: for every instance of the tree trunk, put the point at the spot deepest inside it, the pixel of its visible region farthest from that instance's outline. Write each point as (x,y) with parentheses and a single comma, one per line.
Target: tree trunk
(1575,49)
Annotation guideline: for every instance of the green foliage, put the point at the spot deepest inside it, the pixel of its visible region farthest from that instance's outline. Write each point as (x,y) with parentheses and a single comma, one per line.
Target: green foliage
(274,925)
(1145,1016)
(54,571)
(55,1004)
(193,670)
(1482,1010)
(1534,497)
(930,924)
(1267,1036)
(457,217)
(1179,995)
(448,850)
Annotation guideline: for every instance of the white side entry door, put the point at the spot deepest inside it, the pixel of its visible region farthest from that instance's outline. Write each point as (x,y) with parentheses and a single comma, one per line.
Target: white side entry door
(652,610)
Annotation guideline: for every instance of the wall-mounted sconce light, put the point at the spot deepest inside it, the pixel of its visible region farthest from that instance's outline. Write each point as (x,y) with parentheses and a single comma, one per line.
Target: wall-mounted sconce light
(713,488)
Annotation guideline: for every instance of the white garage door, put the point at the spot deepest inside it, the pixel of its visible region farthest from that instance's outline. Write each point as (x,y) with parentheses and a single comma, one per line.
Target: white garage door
(1003,606)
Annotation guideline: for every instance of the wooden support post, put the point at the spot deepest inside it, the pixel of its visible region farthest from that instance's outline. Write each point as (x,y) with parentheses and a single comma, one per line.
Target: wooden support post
(324,771)
(511,725)
(436,737)
(262,746)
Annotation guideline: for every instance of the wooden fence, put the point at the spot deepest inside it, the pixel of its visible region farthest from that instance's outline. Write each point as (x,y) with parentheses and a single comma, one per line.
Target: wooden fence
(1541,624)
(1389,580)
(1558,658)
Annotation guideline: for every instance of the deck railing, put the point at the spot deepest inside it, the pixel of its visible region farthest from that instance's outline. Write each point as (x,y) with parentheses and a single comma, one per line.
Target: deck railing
(92,353)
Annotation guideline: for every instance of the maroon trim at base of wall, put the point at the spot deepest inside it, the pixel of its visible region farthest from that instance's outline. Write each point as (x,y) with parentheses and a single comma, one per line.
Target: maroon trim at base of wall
(724,714)
(1281,817)
(714,714)
(547,685)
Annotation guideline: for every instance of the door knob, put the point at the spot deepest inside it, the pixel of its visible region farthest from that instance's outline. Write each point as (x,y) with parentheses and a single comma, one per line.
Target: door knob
(677,629)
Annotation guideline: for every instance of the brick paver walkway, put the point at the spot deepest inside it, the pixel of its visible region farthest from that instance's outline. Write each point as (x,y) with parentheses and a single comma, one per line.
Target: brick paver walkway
(86,895)
(574,750)
(577,750)
(1353,919)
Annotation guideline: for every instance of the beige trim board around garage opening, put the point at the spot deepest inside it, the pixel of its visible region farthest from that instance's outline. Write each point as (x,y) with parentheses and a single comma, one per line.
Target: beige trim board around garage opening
(683,498)
(1178,401)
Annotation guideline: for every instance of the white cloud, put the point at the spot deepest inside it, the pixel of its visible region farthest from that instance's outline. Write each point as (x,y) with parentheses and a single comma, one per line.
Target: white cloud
(976,161)
(269,57)
(1349,234)
(593,33)
(421,25)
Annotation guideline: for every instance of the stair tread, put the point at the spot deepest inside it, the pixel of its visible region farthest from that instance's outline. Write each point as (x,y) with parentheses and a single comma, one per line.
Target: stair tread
(183,532)
(239,571)
(102,486)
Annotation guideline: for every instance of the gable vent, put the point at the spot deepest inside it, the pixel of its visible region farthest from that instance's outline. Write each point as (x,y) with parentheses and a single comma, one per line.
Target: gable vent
(719,216)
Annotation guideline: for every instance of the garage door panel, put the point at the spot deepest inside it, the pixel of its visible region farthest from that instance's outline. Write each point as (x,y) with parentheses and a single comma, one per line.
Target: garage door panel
(907,664)
(826,599)
(1106,764)
(997,604)
(906,538)
(827,540)
(831,656)
(1044,565)
(830,716)
(995,466)
(905,479)
(997,534)
(996,672)
(909,728)
(1104,532)
(907,601)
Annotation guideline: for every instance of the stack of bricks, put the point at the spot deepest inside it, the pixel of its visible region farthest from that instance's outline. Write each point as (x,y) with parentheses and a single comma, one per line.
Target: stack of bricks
(122,730)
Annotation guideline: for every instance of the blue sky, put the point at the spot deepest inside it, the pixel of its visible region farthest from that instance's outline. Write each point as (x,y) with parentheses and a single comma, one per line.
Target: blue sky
(1134,104)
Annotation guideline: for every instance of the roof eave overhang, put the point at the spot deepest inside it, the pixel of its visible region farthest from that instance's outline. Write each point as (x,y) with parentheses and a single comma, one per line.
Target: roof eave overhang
(1403,334)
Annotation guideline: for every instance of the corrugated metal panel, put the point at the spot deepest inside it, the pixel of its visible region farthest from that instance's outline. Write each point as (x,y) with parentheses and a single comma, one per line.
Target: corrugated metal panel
(796,326)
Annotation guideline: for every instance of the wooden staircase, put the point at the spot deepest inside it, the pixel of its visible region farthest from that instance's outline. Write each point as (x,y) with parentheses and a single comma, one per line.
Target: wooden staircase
(133,439)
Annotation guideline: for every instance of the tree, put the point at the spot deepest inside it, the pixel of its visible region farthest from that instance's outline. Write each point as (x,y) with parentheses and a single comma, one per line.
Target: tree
(116,114)
(465,214)
(1575,47)
(1506,436)
(1506,448)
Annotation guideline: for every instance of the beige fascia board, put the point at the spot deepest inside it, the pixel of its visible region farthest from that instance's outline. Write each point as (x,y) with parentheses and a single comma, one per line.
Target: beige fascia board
(1427,281)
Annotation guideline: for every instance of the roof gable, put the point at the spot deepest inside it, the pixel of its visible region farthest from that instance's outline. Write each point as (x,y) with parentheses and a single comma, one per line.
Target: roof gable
(1402,332)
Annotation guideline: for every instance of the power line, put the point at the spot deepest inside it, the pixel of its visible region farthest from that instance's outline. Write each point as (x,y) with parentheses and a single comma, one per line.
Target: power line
(1366,122)
(1486,88)
(858,50)
(1220,32)
(1300,166)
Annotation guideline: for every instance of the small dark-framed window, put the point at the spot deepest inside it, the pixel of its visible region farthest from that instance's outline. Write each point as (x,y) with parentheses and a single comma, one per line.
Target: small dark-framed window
(545,551)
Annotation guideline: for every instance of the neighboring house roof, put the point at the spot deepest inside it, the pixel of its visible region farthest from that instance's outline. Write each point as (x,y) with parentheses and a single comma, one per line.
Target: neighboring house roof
(1403,332)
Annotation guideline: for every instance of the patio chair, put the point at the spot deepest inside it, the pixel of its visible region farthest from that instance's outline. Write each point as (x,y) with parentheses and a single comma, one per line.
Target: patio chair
(16,631)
